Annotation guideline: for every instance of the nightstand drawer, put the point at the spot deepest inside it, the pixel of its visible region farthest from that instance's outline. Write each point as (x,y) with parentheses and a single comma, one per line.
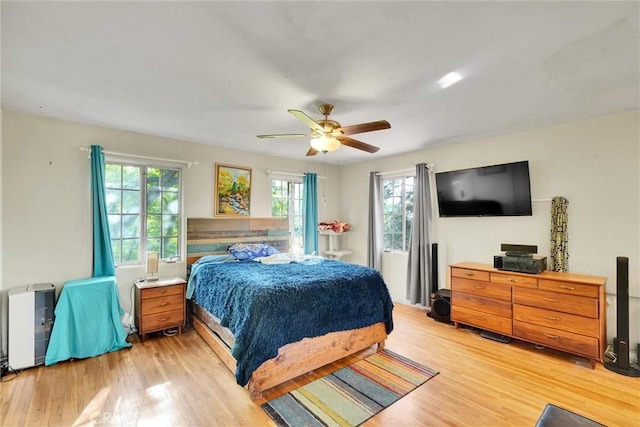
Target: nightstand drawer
(162,304)
(162,291)
(165,320)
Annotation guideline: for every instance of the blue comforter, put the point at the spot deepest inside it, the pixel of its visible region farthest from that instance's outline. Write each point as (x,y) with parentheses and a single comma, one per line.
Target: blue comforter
(268,306)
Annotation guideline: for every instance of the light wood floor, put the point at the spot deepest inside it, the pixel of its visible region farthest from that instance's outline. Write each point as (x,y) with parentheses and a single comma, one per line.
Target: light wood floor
(178,381)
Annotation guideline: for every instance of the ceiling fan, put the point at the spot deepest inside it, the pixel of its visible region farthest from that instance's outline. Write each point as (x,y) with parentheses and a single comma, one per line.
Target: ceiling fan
(327,135)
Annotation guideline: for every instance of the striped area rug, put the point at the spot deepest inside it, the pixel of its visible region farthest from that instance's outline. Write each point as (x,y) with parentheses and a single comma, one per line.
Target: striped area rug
(352,395)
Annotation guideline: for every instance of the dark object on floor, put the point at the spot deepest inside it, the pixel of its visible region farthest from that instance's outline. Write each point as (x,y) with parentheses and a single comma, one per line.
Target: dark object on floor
(495,337)
(555,416)
(441,306)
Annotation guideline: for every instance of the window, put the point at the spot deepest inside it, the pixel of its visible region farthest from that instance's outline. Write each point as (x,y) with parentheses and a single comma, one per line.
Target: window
(286,202)
(397,199)
(143,203)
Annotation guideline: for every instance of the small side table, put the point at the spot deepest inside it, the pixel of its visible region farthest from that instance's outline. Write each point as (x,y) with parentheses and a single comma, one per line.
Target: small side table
(160,305)
(334,251)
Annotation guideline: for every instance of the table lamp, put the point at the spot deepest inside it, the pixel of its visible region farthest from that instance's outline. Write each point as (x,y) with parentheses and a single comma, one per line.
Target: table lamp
(152,266)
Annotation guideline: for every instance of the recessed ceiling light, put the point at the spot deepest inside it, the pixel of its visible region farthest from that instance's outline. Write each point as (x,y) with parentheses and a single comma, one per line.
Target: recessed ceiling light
(449,79)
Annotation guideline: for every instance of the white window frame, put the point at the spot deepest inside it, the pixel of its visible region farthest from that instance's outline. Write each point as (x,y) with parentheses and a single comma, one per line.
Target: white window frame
(296,241)
(142,245)
(404,234)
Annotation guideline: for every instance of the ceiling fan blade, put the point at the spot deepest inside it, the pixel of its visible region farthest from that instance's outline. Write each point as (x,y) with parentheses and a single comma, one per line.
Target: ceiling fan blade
(365,127)
(312,152)
(304,118)
(354,143)
(284,135)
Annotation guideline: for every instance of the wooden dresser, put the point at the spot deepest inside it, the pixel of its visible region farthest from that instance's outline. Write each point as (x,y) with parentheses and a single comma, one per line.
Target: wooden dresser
(160,305)
(564,311)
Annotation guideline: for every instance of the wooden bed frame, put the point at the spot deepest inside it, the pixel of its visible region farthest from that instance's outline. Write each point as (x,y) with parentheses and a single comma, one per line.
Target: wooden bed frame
(207,236)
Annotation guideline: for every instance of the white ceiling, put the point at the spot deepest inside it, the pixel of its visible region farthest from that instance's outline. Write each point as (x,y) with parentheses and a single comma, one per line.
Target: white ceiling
(222,72)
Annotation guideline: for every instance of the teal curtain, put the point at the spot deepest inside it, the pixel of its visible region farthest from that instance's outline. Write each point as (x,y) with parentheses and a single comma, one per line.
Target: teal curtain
(310,212)
(103,264)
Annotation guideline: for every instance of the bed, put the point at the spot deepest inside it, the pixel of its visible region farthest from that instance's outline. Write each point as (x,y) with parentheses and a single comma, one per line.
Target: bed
(272,322)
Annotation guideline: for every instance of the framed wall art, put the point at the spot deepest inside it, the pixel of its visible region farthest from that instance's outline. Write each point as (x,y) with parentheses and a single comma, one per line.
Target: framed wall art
(232,191)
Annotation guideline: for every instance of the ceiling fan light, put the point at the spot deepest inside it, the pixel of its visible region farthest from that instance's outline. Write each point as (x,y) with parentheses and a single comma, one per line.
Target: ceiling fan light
(449,80)
(325,144)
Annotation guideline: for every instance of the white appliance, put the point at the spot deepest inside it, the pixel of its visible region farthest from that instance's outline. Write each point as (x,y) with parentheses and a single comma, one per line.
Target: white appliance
(31,314)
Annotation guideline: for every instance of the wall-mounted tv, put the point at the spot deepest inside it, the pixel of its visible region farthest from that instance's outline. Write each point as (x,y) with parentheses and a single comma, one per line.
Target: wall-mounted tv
(498,190)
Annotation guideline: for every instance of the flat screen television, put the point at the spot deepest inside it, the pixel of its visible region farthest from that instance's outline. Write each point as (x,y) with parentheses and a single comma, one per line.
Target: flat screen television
(498,190)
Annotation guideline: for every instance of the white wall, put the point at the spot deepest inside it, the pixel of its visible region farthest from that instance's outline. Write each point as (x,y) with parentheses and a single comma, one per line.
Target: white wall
(46,230)
(593,163)
(46,195)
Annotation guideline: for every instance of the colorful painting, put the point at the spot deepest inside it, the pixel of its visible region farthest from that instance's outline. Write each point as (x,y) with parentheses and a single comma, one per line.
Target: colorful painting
(232,191)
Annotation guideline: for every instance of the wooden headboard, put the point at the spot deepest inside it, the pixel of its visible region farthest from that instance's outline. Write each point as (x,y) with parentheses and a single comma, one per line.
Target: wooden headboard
(211,236)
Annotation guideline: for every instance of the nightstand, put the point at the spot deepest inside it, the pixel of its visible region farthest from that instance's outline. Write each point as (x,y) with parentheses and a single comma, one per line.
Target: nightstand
(160,305)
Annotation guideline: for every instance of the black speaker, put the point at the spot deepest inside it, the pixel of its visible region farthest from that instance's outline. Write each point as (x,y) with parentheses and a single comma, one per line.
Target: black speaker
(621,342)
(434,268)
(441,306)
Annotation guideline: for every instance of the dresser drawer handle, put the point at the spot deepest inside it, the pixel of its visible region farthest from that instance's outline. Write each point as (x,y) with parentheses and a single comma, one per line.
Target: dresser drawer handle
(479,317)
(567,287)
(555,337)
(478,286)
(513,280)
(480,302)
(469,274)
(164,291)
(552,318)
(166,318)
(162,304)
(550,299)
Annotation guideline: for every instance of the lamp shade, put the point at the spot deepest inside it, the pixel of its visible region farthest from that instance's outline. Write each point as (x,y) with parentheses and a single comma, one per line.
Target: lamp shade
(325,143)
(152,262)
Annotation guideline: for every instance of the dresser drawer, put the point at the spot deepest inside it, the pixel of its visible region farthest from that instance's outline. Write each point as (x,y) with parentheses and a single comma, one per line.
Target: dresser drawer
(557,320)
(571,288)
(556,301)
(162,291)
(164,320)
(466,273)
(481,320)
(561,340)
(514,280)
(162,304)
(483,289)
(485,305)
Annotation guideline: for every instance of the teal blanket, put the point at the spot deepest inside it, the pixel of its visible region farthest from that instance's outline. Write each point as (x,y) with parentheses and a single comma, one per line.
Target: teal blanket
(87,320)
(269,306)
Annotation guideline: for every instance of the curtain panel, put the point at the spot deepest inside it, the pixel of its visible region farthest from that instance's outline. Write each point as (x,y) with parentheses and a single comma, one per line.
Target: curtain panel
(419,267)
(375,231)
(310,212)
(103,263)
